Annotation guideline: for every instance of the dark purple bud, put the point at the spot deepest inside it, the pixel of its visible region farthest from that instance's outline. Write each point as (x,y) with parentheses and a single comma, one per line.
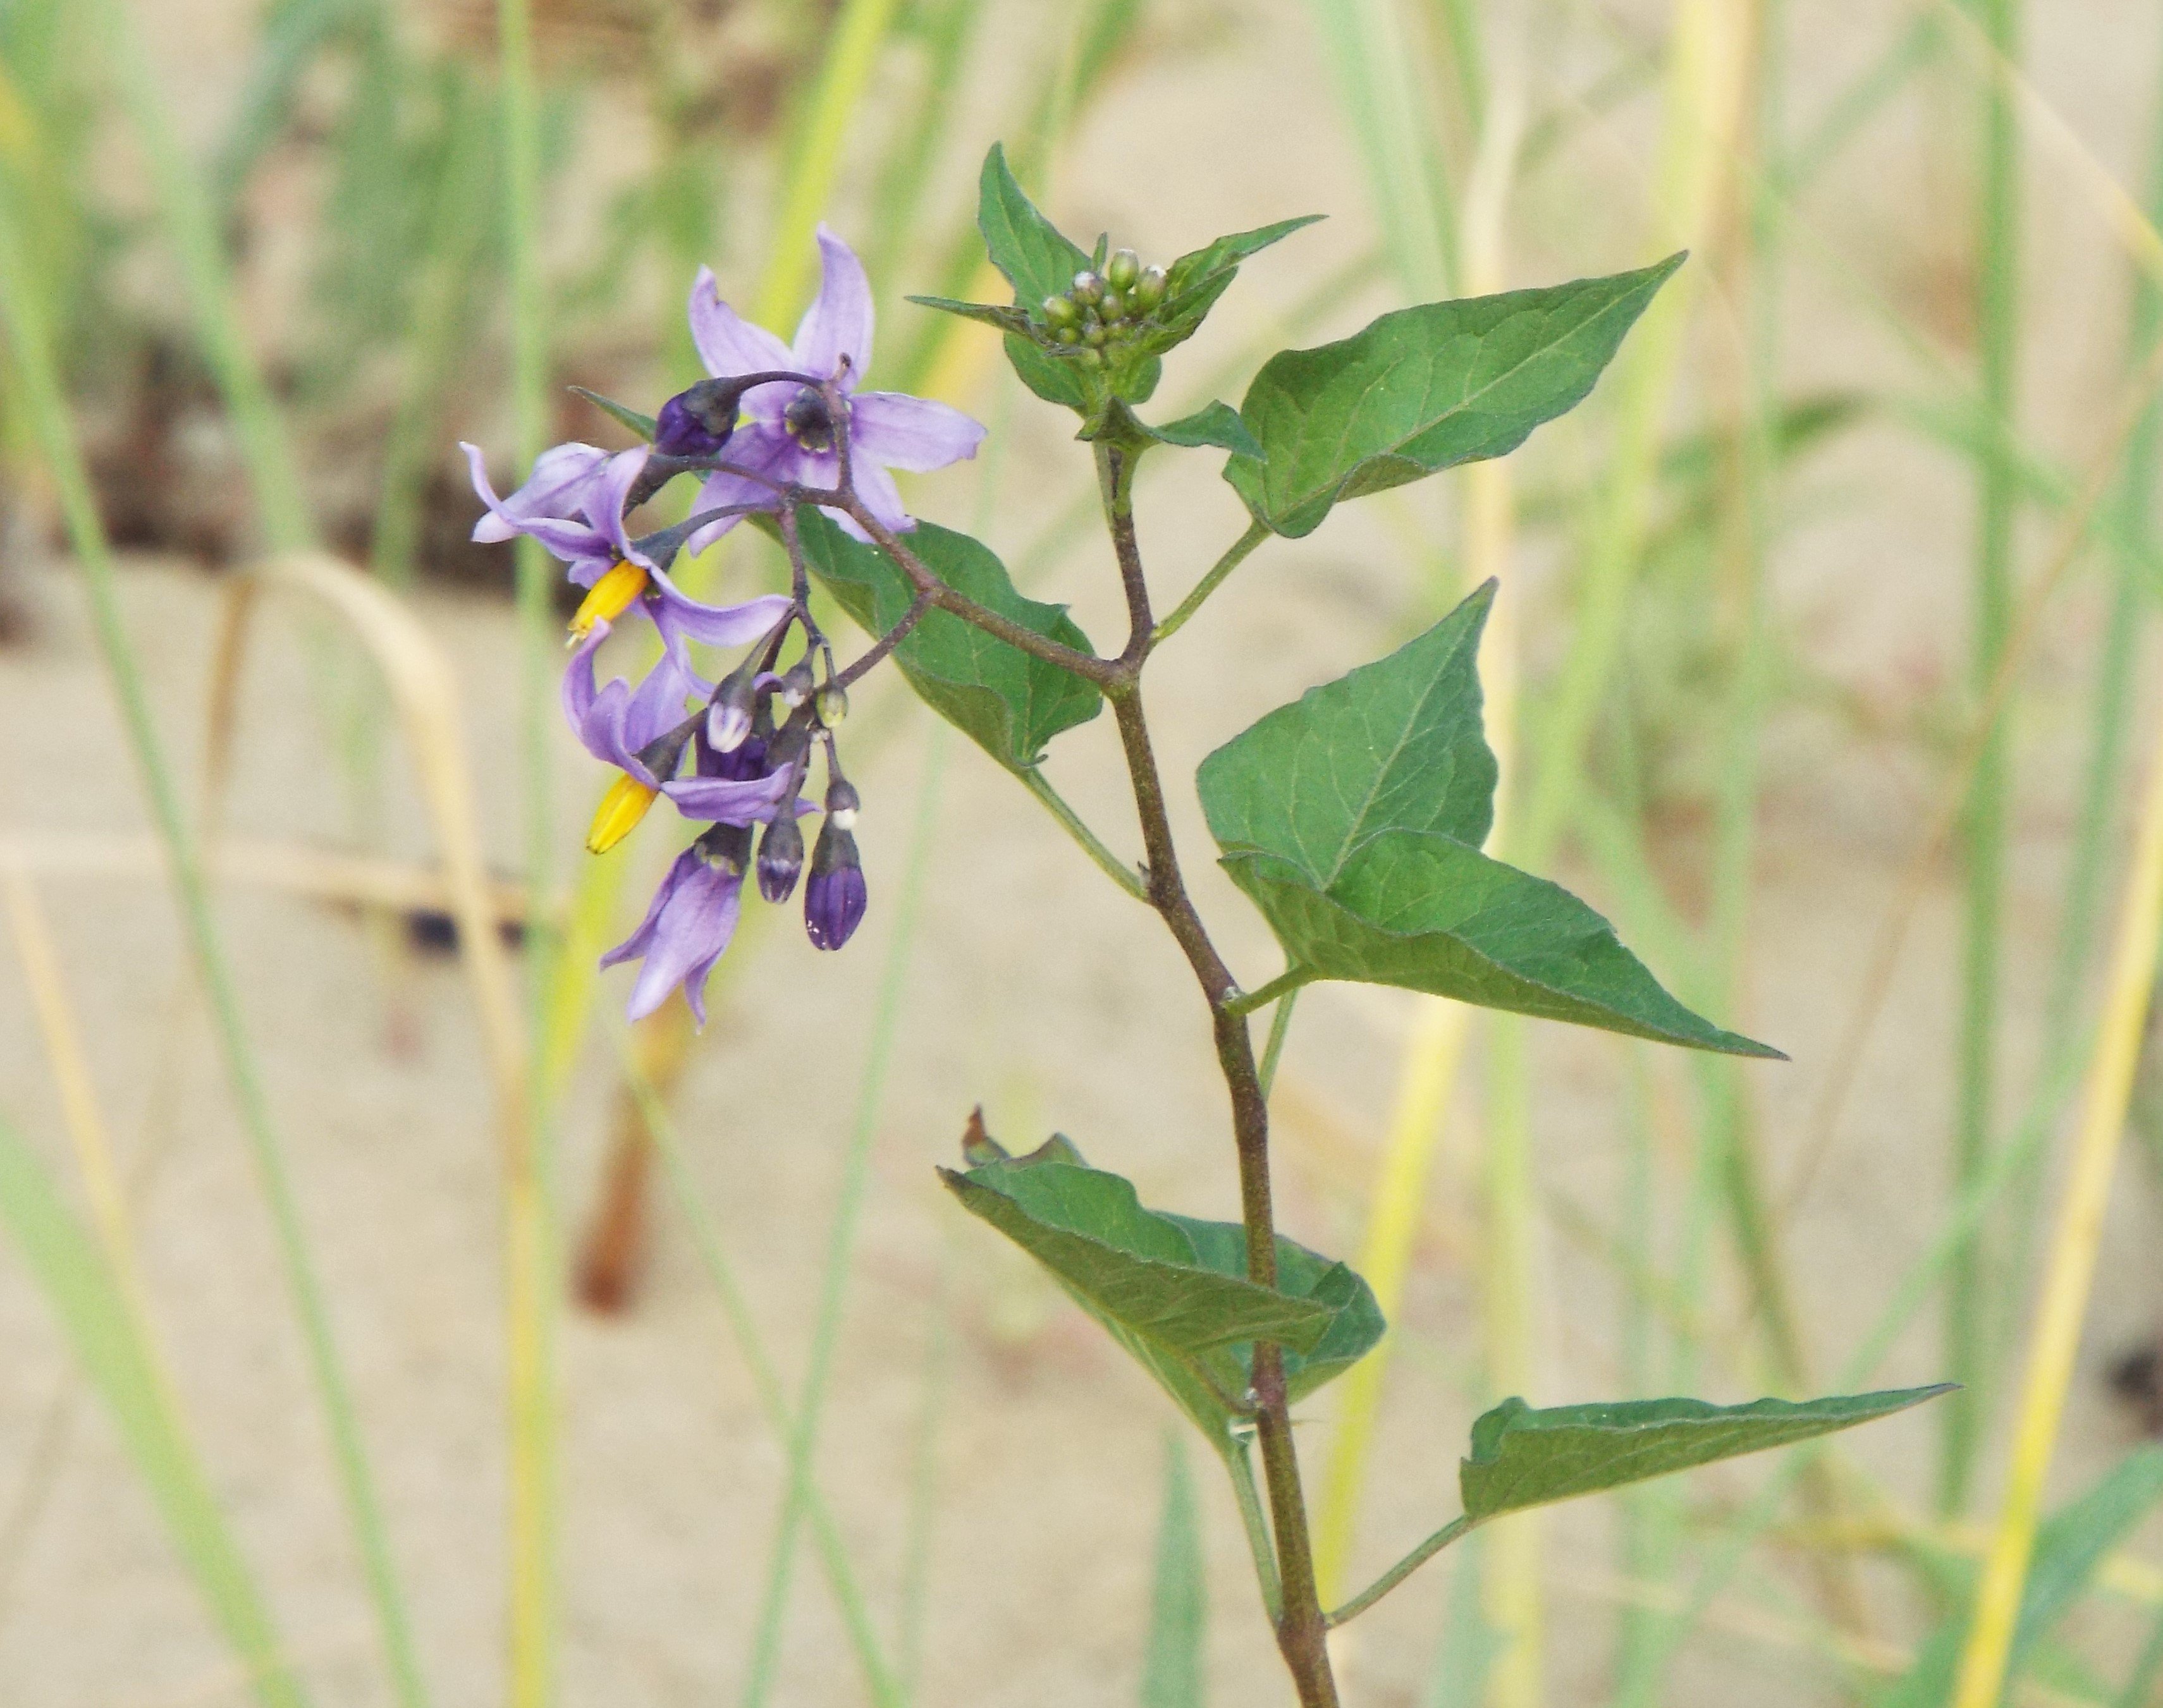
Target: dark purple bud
(780,857)
(698,422)
(834,898)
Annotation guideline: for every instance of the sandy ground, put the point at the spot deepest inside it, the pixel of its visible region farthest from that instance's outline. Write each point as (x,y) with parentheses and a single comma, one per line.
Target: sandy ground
(1033,988)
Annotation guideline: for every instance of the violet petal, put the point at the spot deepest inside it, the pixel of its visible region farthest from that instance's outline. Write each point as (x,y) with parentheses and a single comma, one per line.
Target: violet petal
(908,432)
(727,343)
(839,321)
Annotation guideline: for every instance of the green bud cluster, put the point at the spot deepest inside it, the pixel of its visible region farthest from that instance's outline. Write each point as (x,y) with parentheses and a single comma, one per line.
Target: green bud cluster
(1100,312)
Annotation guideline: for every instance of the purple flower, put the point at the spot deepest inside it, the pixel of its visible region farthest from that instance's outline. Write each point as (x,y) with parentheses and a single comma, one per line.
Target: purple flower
(576,513)
(693,917)
(786,434)
(642,732)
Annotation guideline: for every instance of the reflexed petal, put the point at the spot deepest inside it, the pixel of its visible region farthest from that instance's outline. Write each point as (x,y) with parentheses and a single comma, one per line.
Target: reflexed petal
(558,488)
(910,432)
(680,617)
(726,343)
(599,718)
(607,498)
(656,704)
(839,322)
(727,800)
(573,542)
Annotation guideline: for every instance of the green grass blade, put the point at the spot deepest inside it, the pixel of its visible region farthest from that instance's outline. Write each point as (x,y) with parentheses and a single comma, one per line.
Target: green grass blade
(1970,1298)
(853,39)
(111,1345)
(184,207)
(856,1168)
(29,344)
(1179,1595)
(766,1382)
(458,223)
(1375,68)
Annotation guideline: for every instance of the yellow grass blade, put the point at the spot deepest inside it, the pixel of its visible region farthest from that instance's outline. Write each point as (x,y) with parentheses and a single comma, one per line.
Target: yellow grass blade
(2070,1271)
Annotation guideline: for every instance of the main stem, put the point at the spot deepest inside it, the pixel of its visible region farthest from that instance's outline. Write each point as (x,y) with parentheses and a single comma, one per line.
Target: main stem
(1302,1629)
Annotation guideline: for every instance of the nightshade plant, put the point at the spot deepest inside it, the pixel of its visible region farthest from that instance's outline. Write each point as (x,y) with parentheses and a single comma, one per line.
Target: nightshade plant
(1352,818)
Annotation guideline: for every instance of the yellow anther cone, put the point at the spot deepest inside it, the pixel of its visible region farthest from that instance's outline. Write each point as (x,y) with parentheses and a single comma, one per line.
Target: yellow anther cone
(618,815)
(609,598)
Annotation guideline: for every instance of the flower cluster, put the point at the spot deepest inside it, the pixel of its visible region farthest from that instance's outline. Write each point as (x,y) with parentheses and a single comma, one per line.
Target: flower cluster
(776,428)
(1101,311)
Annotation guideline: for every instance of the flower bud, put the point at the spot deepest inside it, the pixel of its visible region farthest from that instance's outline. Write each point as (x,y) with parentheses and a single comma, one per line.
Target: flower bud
(1124,267)
(1088,288)
(842,803)
(1114,306)
(831,703)
(780,856)
(796,684)
(729,715)
(725,847)
(1094,334)
(1061,311)
(834,898)
(1089,357)
(698,422)
(1149,289)
(1067,335)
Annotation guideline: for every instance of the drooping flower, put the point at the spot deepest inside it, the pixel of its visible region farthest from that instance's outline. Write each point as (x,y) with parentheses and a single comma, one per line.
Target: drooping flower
(688,927)
(587,532)
(642,732)
(788,433)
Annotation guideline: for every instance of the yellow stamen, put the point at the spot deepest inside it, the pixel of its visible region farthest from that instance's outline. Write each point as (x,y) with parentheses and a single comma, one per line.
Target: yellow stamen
(620,809)
(611,596)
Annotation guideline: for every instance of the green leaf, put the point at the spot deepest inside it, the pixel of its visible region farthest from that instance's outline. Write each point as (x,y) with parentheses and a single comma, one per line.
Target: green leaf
(1217,424)
(1425,389)
(1038,259)
(109,1341)
(1010,704)
(1193,283)
(1179,1609)
(1353,819)
(1007,320)
(1172,1290)
(1525,1458)
(2069,1546)
(644,425)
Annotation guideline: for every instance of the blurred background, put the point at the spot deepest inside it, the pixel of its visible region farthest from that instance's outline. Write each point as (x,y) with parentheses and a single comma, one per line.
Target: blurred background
(387,1322)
